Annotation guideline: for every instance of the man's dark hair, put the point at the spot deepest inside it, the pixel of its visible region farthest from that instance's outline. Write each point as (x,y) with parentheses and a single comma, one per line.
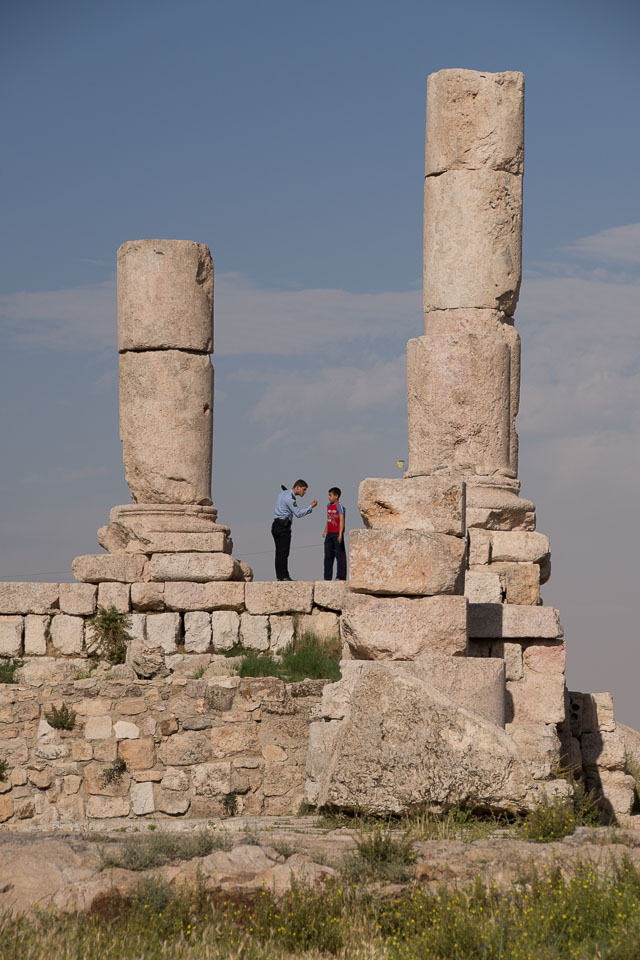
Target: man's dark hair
(300,483)
(336,490)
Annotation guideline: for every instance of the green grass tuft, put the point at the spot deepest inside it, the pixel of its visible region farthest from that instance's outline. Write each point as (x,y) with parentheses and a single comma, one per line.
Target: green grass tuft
(8,669)
(308,657)
(158,849)
(111,634)
(62,719)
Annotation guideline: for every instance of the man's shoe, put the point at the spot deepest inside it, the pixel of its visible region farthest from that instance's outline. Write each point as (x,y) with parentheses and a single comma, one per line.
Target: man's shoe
(290,579)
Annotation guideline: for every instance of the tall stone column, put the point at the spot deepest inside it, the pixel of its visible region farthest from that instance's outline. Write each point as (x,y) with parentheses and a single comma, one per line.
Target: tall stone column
(464,374)
(165,336)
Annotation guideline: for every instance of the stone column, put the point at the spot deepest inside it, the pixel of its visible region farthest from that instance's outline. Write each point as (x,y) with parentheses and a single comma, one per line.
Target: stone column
(165,335)
(464,374)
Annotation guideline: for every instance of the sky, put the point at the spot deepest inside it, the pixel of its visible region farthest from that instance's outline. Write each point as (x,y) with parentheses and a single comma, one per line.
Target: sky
(289,137)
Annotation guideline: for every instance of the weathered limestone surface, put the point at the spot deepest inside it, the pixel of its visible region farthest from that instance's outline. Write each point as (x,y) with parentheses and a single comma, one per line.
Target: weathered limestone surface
(78,598)
(472,240)
(418,747)
(458,387)
(511,621)
(332,594)
(475,121)
(538,746)
(28,597)
(433,504)
(264,597)
(196,567)
(11,630)
(98,567)
(166,415)
(399,628)
(537,698)
(520,546)
(165,296)
(221,595)
(483,587)
(411,562)
(493,504)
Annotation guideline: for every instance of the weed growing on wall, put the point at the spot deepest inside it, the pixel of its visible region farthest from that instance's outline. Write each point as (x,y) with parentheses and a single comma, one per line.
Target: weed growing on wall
(114,772)
(62,719)
(111,634)
(8,669)
(3,769)
(308,657)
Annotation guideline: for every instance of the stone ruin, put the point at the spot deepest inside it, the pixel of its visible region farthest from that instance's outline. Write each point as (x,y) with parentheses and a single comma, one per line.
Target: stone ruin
(453,678)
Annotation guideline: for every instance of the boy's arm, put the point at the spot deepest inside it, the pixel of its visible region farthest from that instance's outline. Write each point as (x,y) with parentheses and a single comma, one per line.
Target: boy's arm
(341,534)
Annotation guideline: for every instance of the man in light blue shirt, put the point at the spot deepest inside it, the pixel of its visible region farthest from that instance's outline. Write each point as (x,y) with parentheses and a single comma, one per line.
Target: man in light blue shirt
(285,510)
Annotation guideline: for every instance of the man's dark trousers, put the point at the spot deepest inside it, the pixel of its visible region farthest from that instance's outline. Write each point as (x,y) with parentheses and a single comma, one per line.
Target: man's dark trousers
(281,532)
(334,549)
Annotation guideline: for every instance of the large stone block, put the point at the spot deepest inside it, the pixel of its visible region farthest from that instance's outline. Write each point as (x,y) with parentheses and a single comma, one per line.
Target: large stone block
(538,745)
(11,630)
(521,582)
(617,790)
(278,597)
(225,628)
(28,597)
(166,415)
(67,634)
(546,657)
(482,587)
(113,539)
(78,599)
(36,629)
(396,628)
(418,747)
(197,631)
(512,621)
(198,567)
(320,623)
(472,240)
(254,631)
(475,120)
(406,562)
(331,594)
(114,594)
(165,295)
(519,546)
(94,568)
(597,713)
(603,750)
(186,595)
(163,630)
(146,596)
(538,698)
(458,390)
(432,504)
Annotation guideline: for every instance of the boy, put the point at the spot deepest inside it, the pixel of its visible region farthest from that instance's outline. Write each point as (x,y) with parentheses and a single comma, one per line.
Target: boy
(333,534)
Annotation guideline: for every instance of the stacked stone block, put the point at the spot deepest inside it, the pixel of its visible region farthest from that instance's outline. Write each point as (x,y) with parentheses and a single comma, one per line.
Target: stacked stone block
(176,627)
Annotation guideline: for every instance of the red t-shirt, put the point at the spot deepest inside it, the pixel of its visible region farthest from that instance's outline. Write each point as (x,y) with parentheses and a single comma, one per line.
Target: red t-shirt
(334,512)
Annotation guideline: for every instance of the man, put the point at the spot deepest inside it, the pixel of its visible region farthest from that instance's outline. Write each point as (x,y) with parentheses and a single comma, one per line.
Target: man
(333,533)
(285,510)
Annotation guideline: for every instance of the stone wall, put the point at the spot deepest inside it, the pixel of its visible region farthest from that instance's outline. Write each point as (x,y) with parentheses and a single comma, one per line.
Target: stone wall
(188,745)
(177,627)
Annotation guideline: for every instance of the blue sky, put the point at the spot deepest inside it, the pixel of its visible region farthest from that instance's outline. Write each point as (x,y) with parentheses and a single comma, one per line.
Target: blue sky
(290,137)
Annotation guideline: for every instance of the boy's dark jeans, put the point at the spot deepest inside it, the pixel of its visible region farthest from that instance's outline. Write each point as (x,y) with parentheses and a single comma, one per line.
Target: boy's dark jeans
(334,549)
(281,532)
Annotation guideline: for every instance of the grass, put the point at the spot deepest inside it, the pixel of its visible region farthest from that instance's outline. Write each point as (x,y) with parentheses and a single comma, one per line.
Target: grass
(8,669)
(545,916)
(111,634)
(157,849)
(553,819)
(382,853)
(62,719)
(4,768)
(307,657)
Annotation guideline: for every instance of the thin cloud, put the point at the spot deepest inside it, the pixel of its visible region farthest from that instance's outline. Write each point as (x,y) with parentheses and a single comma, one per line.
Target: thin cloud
(619,244)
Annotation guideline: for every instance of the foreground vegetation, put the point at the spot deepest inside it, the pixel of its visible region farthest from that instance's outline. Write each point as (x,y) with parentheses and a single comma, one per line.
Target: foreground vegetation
(543,917)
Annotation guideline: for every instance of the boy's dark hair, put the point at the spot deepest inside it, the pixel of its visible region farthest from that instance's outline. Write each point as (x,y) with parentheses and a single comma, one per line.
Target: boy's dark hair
(336,490)
(300,483)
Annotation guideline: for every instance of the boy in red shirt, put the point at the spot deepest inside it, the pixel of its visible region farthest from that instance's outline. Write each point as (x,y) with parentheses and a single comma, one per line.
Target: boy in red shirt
(333,534)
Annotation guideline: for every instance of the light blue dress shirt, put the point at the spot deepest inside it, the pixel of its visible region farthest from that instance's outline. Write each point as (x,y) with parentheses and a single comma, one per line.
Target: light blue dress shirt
(286,507)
